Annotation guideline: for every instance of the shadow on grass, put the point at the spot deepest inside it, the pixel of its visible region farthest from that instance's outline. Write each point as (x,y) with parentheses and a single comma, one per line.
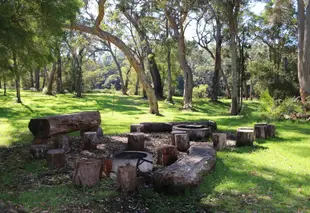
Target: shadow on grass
(254,188)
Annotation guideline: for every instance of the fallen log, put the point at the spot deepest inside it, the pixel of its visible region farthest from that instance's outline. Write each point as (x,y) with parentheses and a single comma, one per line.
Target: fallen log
(60,124)
(187,172)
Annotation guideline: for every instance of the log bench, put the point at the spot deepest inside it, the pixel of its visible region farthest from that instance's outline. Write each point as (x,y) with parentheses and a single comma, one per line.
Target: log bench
(187,172)
(47,127)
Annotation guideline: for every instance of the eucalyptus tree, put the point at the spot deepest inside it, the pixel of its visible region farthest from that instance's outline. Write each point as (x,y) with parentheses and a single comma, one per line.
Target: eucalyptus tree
(177,13)
(304,51)
(97,27)
(211,14)
(137,12)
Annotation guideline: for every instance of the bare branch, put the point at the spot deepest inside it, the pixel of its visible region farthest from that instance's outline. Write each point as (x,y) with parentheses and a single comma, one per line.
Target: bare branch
(100,14)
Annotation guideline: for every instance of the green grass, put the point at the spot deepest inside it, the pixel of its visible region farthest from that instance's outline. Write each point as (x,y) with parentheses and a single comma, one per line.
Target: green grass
(272,176)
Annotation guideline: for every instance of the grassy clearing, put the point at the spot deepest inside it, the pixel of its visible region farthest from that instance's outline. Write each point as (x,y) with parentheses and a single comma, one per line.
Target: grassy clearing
(272,176)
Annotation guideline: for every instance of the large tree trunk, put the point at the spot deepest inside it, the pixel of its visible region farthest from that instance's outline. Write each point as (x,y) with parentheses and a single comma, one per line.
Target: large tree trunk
(51,80)
(188,75)
(31,79)
(124,88)
(17,80)
(218,61)
(131,58)
(233,49)
(17,86)
(37,78)
(79,79)
(44,77)
(59,85)
(304,52)
(158,88)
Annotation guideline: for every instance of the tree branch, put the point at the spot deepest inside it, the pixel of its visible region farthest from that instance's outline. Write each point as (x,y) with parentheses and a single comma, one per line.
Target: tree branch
(100,14)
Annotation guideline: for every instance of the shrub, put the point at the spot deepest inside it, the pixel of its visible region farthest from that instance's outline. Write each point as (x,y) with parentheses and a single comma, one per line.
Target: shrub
(200,91)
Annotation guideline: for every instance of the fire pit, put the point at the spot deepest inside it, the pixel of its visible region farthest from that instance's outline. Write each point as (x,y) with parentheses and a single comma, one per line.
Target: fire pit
(195,132)
(142,160)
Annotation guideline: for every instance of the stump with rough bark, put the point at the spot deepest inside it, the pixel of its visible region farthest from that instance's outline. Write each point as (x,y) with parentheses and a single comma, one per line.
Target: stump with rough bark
(219,141)
(136,128)
(39,151)
(136,141)
(182,142)
(127,179)
(245,136)
(90,140)
(87,172)
(173,136)
(261,131)
(56,158)
(271,131)
(61,124)
(167,155)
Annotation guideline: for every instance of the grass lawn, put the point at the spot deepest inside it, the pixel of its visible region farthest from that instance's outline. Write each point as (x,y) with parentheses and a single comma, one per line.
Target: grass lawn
(272,176)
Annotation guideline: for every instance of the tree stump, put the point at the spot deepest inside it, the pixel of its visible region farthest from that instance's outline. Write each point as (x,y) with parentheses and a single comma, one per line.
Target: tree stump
(136,128)
(90,140)
(107,167)
(99,132)
(136,141)
(261,131)
(219,141)
(62,142)
(167,155)
(173,136)
(271,131)
(182,142)
(245,136)
(87,172)
(39,151)
(127,179)
(56,158)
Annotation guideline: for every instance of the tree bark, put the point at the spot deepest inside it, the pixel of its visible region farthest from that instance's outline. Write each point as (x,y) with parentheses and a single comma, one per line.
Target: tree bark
(17,86)
(37,79)
(59,84)
(232,16)
(56,158)
(137,87)
(219,141)
(167,155)
(51,80)
(304,52)
(127,179)
(245,136)
(87,172)
(31,79)
(60,124)
(182,141)
(218,61)
(136,141)
(131,58)
(44,77)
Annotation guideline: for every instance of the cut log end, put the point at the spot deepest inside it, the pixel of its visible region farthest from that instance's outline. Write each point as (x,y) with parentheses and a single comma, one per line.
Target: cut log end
(245,136)
(173,133)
